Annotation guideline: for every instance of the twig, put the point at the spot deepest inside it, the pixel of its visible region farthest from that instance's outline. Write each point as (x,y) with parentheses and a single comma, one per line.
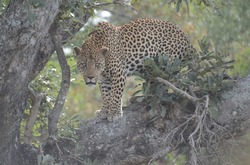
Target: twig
(58,148)
(65,83)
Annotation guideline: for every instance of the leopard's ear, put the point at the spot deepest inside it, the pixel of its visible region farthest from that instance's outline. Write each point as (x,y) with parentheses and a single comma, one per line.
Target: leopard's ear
(77,50)
(104,50)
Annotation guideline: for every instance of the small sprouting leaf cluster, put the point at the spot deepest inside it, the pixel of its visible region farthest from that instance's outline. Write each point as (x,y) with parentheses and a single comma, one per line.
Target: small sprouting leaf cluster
(204,73)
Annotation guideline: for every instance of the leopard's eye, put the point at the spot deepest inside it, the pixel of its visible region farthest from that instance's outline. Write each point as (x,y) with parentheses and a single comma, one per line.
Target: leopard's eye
(84,66)
(98,65)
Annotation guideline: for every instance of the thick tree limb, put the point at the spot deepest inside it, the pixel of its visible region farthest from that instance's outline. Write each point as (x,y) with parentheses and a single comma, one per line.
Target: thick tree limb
(138,137)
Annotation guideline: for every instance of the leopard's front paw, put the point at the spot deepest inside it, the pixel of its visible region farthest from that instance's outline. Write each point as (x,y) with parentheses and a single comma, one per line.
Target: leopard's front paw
(114,116)
(101,114)
(108,115)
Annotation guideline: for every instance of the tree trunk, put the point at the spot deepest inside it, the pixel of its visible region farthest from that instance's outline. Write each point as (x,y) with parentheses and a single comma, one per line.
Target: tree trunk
(25,46)
(21,39)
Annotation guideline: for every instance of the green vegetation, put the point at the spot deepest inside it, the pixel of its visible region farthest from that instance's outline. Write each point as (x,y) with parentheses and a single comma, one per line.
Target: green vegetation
(205,74)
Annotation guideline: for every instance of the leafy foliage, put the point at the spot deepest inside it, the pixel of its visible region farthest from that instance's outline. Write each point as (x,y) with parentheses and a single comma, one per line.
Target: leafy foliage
(204,74)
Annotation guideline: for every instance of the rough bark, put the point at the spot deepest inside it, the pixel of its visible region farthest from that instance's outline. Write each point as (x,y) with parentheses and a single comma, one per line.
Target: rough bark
(20,42)
(25,48)
(138,138)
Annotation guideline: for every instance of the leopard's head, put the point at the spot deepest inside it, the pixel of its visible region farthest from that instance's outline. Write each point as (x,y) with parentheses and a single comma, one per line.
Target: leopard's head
(90,62)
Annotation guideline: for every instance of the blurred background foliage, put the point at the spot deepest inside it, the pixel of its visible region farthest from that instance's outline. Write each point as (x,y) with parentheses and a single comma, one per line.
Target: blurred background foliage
(225,23)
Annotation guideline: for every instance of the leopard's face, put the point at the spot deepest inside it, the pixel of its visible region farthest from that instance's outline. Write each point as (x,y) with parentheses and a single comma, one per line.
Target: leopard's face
(90,63)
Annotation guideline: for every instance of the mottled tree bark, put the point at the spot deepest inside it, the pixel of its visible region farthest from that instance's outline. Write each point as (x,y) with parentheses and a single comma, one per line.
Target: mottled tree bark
(25,48)
(20,41)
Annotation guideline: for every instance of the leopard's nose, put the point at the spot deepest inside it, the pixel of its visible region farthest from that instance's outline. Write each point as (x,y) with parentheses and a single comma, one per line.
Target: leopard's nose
(90,80)
(90,77)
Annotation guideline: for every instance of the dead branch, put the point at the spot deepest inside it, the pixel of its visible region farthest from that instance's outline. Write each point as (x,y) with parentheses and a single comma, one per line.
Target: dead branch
(178,91)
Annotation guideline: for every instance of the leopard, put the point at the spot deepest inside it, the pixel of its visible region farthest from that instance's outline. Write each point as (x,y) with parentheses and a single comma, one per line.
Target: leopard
(112,53)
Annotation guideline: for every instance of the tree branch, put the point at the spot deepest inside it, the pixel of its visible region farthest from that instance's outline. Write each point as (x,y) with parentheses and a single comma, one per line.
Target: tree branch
(65,83)
(178,91)
(139,137)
